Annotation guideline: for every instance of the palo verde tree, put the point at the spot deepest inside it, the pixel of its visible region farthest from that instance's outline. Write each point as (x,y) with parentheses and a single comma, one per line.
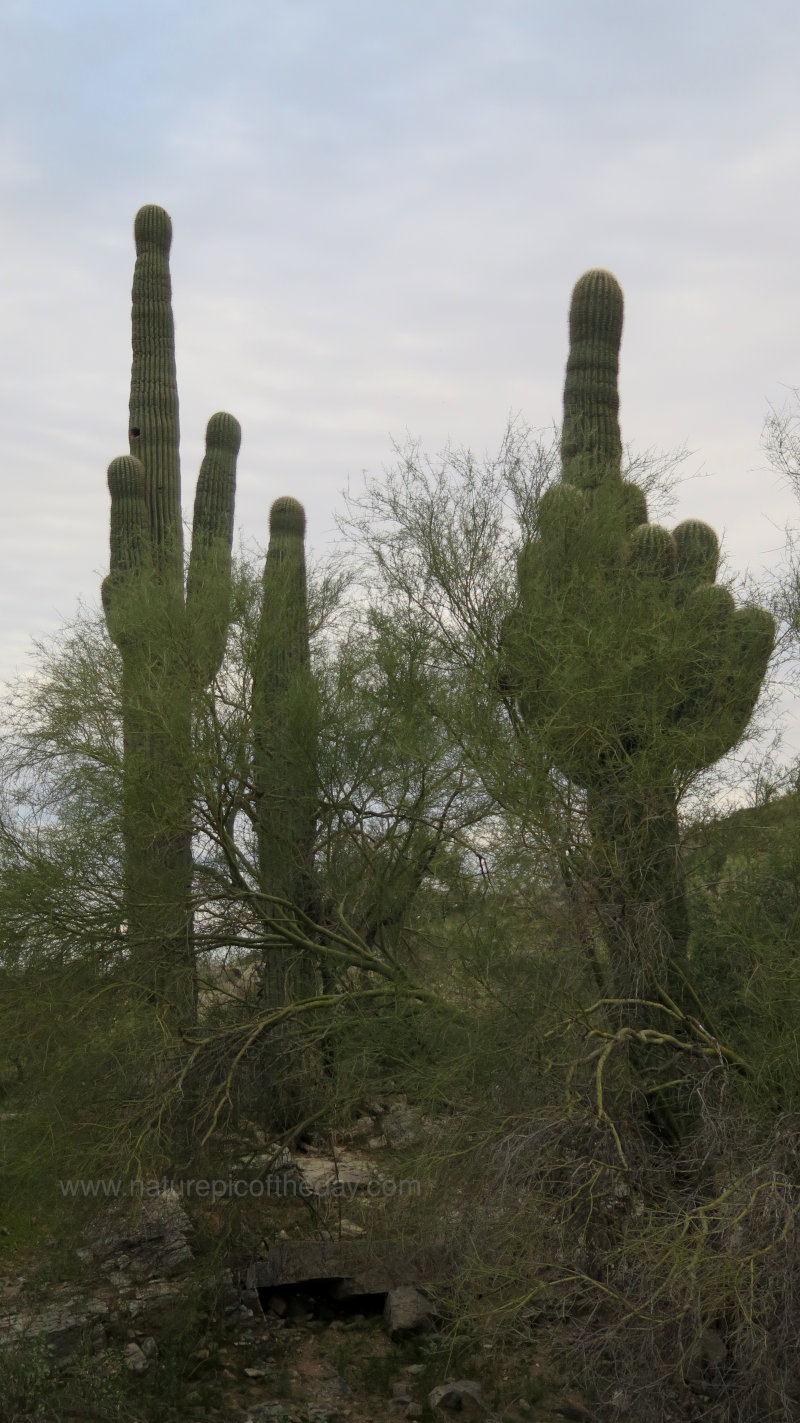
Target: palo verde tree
(171,637)
(634,670)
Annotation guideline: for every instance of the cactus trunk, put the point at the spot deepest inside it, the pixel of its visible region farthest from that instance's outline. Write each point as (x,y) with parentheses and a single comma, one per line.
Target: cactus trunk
(633,670)
(284,747)
(171,640)
(284,777)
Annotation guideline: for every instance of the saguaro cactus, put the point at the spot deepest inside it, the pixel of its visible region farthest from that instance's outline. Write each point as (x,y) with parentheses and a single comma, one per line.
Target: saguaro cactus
(171,638)
(634,670)
(284,731)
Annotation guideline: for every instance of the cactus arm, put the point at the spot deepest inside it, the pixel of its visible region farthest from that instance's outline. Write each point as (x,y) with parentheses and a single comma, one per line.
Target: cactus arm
(154,426)
(130,544)
(208,587)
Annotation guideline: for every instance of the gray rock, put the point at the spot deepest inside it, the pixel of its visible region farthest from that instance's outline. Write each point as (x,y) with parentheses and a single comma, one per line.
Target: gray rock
(361,1130)
(149,1347)
(414,1410)
(407,1313)
(400,1391)
(60,1326)
(236,1315)
(402,1126)
(135,1359)
(464,1397)
(148,1238)
(332,1385)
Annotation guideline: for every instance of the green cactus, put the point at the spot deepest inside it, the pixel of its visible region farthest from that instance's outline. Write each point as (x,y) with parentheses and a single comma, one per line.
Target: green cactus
(284,732)
(171,640)
(632,669)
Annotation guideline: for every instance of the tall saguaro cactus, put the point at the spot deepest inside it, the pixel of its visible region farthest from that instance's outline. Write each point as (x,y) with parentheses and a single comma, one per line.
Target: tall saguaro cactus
(284,731)
(633,668)
(171,638)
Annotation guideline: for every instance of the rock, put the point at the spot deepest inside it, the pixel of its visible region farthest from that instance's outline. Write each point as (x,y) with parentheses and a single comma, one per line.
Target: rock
(149,1347)
(414,1410)
(361,1130)
(400,1392)
(350,1228)
(518,1412)
(237,1314)
(402,1126)
(464,1397)
(407,1313)
(148,1239)
(332,1386)
(363,1267)
(60,1326)
(707,1360)
(135,1359)
(414,1369)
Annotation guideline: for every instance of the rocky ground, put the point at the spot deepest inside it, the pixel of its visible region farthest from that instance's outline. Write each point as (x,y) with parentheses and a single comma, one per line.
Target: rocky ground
(305,1329)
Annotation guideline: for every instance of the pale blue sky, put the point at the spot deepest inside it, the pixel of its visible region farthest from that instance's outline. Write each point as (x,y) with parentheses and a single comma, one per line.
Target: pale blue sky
(379,213)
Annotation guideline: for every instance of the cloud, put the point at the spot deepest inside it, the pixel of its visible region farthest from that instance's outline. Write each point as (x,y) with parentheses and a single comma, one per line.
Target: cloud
(379,214)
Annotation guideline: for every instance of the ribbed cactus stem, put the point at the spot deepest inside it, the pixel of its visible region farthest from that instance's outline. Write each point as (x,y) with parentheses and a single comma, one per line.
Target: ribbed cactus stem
(652,551)
(171,641)
(284,731)
(591,445)
(632,668)
(130,549)
(634,506)
(154,427)
(214,496)
(283,640)
(698,553)
(129,526)
(208,584)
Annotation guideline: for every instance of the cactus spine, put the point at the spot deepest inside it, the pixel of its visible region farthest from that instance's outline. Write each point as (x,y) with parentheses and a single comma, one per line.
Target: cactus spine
(633,669)
(284,760)
(171,639)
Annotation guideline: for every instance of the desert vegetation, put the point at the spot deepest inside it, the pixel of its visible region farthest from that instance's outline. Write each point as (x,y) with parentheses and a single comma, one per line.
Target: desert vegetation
(466,821)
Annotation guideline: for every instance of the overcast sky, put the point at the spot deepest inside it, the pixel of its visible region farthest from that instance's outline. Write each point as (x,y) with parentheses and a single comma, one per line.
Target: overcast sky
(379,212)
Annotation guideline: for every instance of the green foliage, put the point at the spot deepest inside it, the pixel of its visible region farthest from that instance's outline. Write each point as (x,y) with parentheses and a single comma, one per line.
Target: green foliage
(745,913)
